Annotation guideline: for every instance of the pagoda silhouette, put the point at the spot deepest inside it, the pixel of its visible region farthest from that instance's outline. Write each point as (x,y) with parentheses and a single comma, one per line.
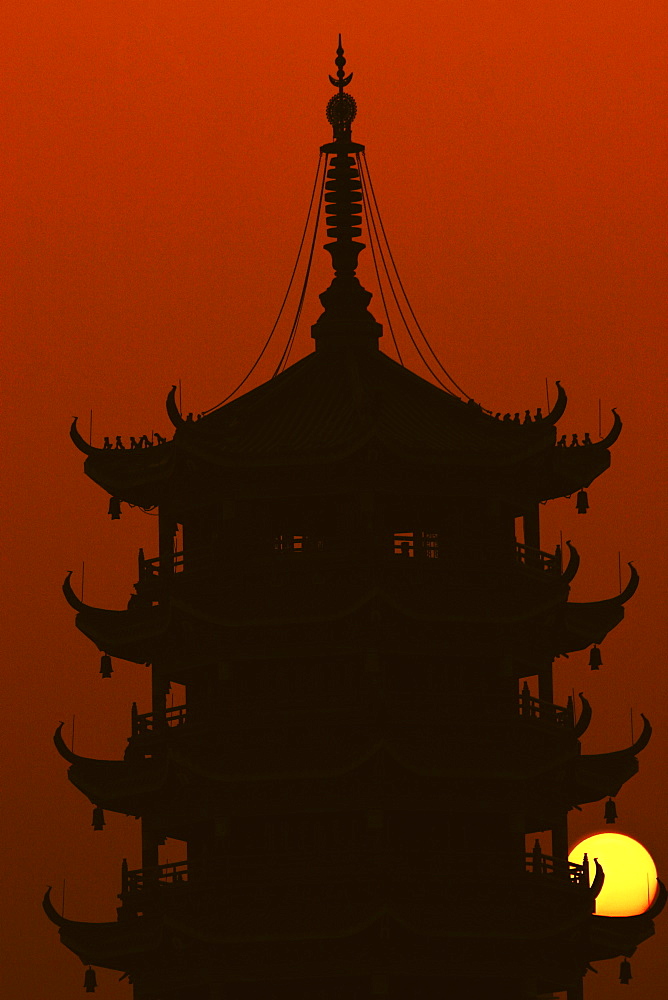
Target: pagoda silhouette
(349,583)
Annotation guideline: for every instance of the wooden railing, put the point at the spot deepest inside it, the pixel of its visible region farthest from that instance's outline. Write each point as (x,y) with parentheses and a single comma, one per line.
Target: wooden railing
(538,863)
(159,877)
(145,723)
(546,711)
(415,544)
(408,544)
(537,560)
(172,876)
(529,708)
(149,569)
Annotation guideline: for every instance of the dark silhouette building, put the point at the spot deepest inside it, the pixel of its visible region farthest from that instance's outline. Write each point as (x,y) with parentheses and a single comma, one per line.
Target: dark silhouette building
(350,585)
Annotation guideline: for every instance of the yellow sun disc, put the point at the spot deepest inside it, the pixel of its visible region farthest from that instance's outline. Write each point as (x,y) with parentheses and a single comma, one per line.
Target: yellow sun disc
(630,873)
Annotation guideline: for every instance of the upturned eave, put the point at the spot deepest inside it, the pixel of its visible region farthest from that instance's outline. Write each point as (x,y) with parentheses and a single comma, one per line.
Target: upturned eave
(597,776)
(612,937)
(114,944)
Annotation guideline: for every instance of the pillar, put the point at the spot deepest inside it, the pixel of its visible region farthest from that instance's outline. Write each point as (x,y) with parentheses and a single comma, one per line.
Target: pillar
(531,525)
(545,685)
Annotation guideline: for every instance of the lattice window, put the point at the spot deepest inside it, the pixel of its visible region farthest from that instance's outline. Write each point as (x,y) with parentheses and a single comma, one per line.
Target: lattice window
(416,544)
(297,543)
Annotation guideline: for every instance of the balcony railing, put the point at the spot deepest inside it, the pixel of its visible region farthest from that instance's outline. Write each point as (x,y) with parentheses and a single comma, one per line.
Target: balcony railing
(149,569)
(543,864)
(529,708)
(545,711)
(145,723)
(540,562)
(179,874)
(160,877)
(406,544)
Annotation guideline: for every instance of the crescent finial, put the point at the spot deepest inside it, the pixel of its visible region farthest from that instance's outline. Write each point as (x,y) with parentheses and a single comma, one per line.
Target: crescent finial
(341,80)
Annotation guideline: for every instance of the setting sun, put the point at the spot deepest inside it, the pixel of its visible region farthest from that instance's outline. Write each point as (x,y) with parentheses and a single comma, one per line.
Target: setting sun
(630,873)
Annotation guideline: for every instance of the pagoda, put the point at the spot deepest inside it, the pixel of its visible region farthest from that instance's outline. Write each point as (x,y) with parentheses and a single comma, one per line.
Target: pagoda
(350,585)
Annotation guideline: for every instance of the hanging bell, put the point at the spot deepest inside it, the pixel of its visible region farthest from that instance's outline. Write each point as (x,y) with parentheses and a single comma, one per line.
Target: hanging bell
(625,976)
(582,502)
(595,659)
(90,980)
(98,818)
(610,811)
(106,668)
(114,508)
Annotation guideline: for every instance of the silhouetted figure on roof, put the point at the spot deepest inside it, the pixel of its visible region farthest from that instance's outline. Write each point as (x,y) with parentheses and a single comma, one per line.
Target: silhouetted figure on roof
(134,443)
(561,443)
(145,442)
(574,442)
(587,439)
(159,438)
(527,417)
(107,444)
(539,415)
(119,443)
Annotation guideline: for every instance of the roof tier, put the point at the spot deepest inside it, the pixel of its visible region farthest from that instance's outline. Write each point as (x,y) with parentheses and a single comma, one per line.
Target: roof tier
(333,407)
(113,944)
(491,928)
(400,766)
(190,632)
(612,937)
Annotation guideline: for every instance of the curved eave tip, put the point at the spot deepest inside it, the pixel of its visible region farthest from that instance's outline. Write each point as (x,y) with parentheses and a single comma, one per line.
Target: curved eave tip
(659,903)
(599,879)
(51,911)
(644,737)
(172,409)
(62,747)
(585,718)
(76,437)
(71,598)
(560,405)
(613,433)
(631,587)
(573,563)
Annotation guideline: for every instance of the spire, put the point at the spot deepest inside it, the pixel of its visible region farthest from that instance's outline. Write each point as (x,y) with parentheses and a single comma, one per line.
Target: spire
(341,108)
(345,301)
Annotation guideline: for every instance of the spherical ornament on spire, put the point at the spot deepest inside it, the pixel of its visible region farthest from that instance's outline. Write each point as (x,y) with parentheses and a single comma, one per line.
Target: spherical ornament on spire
(341,111)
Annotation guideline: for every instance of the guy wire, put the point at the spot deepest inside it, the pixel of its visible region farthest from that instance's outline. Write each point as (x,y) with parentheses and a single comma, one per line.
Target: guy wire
(285,298)
(371,225)
(293,332)
(398,305)
(389,249)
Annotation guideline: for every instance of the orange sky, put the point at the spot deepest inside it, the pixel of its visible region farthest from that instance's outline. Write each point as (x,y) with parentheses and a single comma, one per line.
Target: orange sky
(158,159)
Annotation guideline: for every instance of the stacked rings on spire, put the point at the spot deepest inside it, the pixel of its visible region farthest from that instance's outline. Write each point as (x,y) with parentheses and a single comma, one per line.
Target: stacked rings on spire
(343,198)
